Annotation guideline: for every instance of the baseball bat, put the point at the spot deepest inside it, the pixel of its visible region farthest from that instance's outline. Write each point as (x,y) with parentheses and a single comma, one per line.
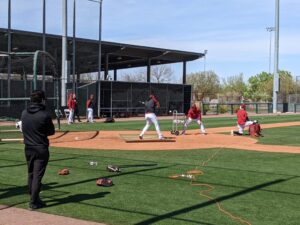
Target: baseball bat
(11,139)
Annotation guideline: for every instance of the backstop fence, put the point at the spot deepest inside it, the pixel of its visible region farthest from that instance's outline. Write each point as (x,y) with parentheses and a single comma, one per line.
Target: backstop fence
(123,99)
(117,99)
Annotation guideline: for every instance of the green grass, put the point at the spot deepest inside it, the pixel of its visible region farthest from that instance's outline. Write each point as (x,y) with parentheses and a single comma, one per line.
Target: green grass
(262,188)
(281,136)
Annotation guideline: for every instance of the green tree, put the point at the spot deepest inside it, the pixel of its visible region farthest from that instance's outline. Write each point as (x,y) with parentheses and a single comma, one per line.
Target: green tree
(287,85)
(260,87)
(205,84)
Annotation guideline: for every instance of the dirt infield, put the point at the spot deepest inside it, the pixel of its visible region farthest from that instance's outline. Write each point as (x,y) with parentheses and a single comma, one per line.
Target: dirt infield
(112,140)
(16,216)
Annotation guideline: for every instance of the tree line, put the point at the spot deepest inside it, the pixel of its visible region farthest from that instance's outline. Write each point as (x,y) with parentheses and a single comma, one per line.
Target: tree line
(258,88)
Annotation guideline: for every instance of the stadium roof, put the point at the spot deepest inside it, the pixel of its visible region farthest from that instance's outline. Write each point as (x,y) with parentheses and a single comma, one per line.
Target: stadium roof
(114,55)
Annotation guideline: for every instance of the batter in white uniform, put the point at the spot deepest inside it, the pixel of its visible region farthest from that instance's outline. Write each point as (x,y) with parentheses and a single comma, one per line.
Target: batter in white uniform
(150,105)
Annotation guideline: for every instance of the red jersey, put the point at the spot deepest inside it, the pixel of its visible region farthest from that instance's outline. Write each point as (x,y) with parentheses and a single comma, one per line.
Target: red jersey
(194,113)
(90,103)
(242,116)
(71,104)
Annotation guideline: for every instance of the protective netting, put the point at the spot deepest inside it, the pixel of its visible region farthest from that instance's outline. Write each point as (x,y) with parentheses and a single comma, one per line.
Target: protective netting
(22,72)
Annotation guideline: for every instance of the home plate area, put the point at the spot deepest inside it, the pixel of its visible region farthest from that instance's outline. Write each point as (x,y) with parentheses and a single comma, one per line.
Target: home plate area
(133,138)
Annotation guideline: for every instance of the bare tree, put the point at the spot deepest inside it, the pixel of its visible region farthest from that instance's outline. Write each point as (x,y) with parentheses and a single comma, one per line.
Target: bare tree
(205,84)
(89,76)
(136,76)
(161,74)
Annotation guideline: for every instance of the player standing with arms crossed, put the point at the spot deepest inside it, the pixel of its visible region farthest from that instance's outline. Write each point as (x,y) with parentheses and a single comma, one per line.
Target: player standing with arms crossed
(37,125)
(150,106)
(194,114)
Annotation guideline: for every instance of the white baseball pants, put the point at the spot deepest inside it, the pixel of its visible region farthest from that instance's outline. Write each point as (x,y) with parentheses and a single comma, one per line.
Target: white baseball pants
(151,118)
(200,123)
(242,127)
(71,115)
(90,115)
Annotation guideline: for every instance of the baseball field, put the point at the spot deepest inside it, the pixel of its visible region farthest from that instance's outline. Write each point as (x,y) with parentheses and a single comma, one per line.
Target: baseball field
(216,179)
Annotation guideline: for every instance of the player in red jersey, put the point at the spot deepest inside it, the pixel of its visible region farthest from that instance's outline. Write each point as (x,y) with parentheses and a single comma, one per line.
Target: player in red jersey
(242,120)
(71,107)
(194,114)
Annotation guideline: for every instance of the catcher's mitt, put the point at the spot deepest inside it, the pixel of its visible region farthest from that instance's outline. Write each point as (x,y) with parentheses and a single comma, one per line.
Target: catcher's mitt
(105,182)
(112,168)
(64,172)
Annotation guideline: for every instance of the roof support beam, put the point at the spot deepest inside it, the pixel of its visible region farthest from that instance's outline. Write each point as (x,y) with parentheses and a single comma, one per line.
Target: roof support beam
(106,66)
(115,74)
(9,50)
(184,73)
(148,70)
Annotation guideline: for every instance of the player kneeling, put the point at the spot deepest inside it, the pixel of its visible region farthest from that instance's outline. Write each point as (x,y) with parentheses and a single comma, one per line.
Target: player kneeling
(194,114)
(242,120)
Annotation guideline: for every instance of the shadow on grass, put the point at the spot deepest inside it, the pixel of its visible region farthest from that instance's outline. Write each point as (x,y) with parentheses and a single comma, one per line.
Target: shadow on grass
(145,213)
(23,164)
(20,190)
(76,198)
(210,202)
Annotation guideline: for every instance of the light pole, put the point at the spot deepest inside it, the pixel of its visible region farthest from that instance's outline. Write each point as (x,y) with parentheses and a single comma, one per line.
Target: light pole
(270,29)
(99,56)
(64,63)
(205,52)
(276,58)
(74,46)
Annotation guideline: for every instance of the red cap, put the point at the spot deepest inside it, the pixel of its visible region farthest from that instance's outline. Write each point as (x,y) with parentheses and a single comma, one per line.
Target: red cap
(243,106)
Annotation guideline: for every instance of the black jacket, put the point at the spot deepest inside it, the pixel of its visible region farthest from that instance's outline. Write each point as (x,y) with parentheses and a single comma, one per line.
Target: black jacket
(36,125)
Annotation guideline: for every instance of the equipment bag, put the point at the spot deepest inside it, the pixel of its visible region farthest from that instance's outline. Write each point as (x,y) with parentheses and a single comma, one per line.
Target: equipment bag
(255,130)
(105,182)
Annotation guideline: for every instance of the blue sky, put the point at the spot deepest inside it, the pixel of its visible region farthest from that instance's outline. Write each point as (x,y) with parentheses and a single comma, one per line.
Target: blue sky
(233,31)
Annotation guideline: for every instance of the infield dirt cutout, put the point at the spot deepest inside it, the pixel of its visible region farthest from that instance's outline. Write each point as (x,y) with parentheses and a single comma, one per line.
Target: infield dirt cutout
(112,140)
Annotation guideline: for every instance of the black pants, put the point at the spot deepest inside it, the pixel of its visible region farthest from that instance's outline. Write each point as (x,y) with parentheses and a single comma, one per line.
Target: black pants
(76,114)
(37,158)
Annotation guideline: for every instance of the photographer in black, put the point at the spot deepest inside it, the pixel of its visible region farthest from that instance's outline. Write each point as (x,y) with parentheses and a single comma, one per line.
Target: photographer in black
(37,125)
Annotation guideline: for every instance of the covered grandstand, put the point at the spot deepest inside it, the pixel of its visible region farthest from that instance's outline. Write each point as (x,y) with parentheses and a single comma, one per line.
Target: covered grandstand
(116,97)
